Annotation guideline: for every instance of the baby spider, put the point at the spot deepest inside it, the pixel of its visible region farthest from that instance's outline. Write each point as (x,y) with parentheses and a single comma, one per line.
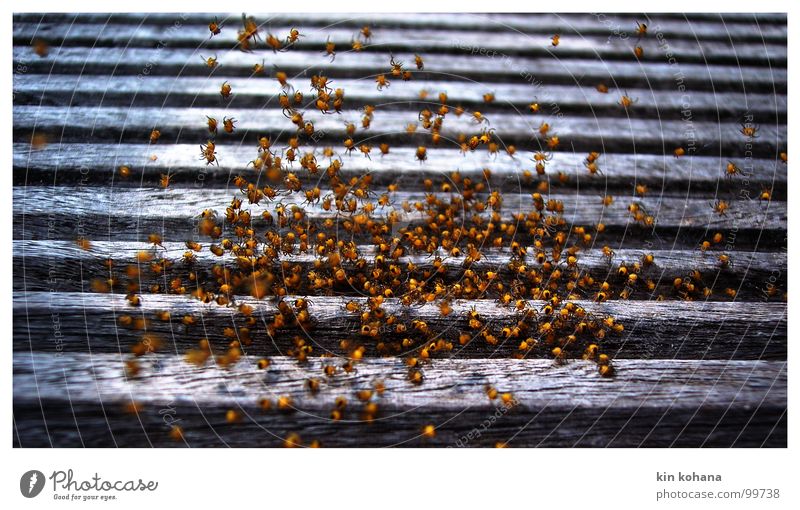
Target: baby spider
(176,431)
(353,307)
(592,167)
(544,127)
(293,37)
(330,49)
(397,67)
(208,152)
(228,124)
(382,81)
(214,27)
(225,90)
(731,169)
(479,118)
(274,43)
(283,79)
(720,207)
(211,62)
(749,130)
(212,125)
(626,101)
(258,68)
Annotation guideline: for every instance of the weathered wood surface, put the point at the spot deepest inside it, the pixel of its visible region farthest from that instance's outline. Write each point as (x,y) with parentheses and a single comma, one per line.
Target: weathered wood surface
(101,124)
(185,62)
(454,41)
(653,330)
(89,90)
(167,204)
(133,214)
(97,164)
(48,423)
(173,202)
(756,27)
(622,408)
(534,383)
(62,266)
(703,373)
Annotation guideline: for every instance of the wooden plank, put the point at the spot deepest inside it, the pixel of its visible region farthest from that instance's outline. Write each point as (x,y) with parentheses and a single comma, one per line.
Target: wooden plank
(81,322)
(70,90)
(453,384)
(100,124)
(538,72)
(753,27)
(49,424)
(667,264)
(62,266)
(59,212)
(443,20)
(544,393)
(455,41)
(96,164)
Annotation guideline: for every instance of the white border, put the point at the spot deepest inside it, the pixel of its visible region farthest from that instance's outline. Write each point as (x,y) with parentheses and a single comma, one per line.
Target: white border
(443,478)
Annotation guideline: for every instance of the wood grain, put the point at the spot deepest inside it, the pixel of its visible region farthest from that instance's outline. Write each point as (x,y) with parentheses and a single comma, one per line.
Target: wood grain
(90,90)
(64,267)
(80,322)
(624,74)
(452,397)
(743,27)
(96,164)
(48,424)
(67,213)
(454,41)
(182,124)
